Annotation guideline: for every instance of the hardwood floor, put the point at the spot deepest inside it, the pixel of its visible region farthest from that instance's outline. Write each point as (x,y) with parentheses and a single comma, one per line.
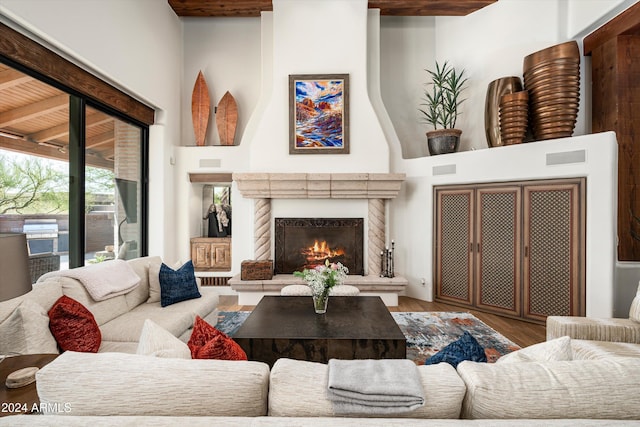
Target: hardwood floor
(521,333)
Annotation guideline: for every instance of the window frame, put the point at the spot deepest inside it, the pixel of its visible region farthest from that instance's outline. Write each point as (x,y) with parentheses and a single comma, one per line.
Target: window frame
(84,90)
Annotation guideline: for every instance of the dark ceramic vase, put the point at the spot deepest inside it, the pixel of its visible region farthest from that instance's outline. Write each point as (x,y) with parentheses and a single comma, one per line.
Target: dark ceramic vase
(443,141)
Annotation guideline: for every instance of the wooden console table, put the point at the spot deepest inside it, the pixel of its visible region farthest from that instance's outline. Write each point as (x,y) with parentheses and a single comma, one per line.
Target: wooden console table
(25,399)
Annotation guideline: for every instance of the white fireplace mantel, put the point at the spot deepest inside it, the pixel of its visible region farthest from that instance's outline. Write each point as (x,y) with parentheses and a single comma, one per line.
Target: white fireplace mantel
(375,187)
(319,185)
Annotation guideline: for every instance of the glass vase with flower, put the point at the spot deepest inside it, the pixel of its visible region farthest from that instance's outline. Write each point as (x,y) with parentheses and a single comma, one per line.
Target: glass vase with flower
(321,279)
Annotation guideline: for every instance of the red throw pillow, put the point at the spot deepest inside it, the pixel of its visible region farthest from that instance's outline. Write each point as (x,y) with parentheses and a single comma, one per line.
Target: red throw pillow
(73,326)
(207,342)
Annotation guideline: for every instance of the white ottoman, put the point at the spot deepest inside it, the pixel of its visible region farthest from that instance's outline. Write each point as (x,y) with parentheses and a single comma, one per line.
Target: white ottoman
(344,291)
(305,291)
(296,291)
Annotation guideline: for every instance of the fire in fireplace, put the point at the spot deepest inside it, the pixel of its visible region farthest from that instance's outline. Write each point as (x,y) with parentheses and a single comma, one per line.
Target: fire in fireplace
(307,242)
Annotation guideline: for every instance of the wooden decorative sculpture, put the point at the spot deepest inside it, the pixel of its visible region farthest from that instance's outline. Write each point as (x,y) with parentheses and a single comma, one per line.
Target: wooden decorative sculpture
(200,109)
(227,119)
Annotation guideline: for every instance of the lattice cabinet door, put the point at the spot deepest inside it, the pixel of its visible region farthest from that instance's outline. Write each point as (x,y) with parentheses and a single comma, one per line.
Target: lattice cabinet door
(497,249)
(454,245)
(554,237)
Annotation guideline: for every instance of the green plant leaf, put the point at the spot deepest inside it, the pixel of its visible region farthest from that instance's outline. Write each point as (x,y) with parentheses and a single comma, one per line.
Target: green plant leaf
(442,96)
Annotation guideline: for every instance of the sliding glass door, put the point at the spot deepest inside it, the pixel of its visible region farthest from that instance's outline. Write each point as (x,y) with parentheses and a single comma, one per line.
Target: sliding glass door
(72,174)
(113,190)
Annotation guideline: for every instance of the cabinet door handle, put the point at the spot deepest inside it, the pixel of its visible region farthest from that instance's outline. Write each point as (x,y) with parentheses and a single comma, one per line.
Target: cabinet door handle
(478,247)
(470,246)
(526,251)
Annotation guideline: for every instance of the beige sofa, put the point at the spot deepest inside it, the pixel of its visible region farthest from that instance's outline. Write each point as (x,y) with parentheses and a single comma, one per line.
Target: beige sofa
(120,318)
(598,329)
(80,389)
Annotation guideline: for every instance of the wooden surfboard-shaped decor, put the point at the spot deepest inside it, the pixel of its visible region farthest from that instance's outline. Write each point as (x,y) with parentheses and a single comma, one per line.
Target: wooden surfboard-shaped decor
(200,109)
(227,119)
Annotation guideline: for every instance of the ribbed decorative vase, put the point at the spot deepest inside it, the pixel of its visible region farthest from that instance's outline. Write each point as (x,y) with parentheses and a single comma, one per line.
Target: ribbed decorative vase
(552,77)
(495,90)
(514,109)
(320,303)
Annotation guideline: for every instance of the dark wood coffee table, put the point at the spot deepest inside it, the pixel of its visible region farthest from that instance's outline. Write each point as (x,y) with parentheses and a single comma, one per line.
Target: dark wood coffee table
(353,328)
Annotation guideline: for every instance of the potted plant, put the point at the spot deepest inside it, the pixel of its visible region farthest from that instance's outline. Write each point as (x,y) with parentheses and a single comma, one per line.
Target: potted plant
(442,101)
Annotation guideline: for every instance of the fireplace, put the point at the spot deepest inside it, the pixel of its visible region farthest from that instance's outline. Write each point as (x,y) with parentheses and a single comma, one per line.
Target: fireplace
(306,242)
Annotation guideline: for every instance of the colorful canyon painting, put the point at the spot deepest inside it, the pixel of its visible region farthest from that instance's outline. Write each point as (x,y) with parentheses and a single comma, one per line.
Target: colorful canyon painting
(319,114)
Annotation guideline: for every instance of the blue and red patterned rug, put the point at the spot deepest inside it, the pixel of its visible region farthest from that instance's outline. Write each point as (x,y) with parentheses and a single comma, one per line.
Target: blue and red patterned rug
(426,332)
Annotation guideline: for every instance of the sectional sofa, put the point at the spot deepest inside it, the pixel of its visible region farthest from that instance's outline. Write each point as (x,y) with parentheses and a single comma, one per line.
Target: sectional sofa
(123,389)
(120,319)
(562,382)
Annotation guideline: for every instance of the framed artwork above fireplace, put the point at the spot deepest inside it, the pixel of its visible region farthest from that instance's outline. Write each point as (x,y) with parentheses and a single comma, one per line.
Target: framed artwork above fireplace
(307,242)
(319,114)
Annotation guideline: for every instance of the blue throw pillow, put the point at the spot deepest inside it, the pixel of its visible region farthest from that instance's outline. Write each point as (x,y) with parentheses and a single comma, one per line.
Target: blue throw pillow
(465,348)
(177,285)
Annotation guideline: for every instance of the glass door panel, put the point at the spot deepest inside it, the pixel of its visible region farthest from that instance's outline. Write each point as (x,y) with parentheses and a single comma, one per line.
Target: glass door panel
(112,188)
(34,168)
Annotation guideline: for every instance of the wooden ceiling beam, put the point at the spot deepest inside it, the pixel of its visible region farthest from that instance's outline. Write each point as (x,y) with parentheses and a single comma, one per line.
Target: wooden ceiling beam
(100,139)
(26,52)
(20,146)
(236,8)
(36,109)
(428,7)
(252,8)
(108,154)
(11,77)
(62,129)
(50,152)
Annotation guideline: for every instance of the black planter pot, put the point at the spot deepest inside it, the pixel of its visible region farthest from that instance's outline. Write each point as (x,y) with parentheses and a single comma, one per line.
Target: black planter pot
(443,141)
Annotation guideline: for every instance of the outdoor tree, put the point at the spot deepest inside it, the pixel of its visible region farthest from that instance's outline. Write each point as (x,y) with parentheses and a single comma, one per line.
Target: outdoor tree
(98,181)
(31,185)
(36,185)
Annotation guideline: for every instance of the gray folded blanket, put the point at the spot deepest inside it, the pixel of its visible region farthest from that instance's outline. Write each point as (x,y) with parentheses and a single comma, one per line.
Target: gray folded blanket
(376,387)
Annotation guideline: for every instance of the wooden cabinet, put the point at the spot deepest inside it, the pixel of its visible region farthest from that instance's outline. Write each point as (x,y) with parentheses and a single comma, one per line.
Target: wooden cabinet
(515,249)
(211,253)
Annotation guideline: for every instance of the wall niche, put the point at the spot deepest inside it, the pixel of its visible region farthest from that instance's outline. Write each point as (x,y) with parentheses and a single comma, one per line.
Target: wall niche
(211,250)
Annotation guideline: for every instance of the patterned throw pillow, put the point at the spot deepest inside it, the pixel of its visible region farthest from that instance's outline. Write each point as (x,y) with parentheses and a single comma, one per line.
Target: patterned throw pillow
(177,285)
(73,326)
(465,348)
(207,342)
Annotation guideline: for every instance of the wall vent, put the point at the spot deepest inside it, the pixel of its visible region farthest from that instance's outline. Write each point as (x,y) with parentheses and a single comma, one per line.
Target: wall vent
(566,157)
(210,163)
(214,281)
(444,170)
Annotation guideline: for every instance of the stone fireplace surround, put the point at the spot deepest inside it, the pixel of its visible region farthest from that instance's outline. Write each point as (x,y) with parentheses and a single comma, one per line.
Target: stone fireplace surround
(375,187)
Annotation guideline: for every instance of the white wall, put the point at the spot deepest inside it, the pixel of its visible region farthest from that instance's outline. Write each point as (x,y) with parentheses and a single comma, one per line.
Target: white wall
(489,44)
(264,140)
(492,43)
(120,41)
(227,51)
(138,46)
(407,48)
(334,41)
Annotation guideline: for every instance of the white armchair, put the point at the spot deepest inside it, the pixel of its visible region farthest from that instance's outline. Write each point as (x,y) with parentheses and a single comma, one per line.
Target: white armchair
(598,329)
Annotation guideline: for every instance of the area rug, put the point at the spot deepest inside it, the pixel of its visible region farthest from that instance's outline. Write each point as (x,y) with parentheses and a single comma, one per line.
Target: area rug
(426,332)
